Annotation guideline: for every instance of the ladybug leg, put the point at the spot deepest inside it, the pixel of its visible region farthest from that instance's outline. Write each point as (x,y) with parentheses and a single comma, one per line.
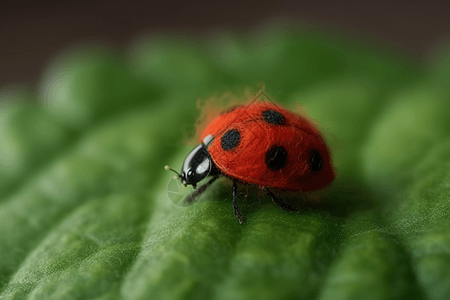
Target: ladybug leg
(235,205)
(281,203)
(192,197)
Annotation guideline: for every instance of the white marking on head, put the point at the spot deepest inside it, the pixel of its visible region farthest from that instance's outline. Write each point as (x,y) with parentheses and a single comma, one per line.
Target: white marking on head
(208,140)
(203,167)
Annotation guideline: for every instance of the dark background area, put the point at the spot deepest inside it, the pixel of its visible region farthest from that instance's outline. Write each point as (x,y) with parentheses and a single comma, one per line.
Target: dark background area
(32,33)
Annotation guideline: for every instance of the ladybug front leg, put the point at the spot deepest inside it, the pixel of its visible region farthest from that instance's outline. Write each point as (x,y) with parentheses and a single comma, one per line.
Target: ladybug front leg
(192,197)
(235,205)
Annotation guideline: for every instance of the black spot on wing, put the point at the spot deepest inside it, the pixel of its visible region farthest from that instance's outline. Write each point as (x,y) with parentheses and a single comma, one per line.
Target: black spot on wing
(273,117)
(276,158)
(315,161)
(230,139)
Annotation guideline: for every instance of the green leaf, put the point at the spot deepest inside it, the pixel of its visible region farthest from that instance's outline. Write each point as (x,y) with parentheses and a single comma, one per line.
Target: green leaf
(84,207)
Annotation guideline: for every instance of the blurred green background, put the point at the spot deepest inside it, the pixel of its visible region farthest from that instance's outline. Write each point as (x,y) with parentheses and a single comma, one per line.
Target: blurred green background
(84,212)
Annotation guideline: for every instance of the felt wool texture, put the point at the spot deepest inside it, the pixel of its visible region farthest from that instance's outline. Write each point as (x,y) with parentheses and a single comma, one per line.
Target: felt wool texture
(265,144)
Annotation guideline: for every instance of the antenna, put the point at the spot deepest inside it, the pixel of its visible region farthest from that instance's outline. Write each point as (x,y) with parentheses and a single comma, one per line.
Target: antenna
(170,169)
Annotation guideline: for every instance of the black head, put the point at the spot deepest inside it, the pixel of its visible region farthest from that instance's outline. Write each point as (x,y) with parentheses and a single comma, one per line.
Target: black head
(196,166)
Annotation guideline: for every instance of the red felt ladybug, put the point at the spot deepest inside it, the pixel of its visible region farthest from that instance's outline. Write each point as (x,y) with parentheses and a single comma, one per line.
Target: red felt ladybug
(260,143)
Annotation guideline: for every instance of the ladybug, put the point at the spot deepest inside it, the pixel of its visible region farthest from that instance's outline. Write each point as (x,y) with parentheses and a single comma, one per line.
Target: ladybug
(260,143)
